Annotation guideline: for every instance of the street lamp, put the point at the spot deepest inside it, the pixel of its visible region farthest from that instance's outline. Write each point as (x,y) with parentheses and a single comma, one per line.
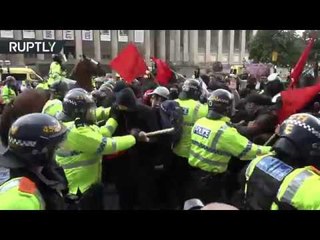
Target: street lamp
(8,64)
(1,70)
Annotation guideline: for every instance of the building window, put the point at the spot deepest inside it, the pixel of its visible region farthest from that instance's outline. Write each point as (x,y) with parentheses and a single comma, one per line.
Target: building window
(214,41)
(248,38)
(237,40)
(70,52)
(226,41)
(201,41)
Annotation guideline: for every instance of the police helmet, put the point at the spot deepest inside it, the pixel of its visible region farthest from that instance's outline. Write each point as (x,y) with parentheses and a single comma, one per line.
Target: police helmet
(220,101)
(78,90)
(56,57)
(108,86)
(99,81)
(59,88)
(297,134)
(192,88)
(97,94)
(78,104)
(33,139)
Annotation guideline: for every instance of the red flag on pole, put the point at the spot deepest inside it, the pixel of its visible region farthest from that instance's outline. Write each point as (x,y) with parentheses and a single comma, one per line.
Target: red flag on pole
(164,73)
(293,100)
(296,73)
(129,63)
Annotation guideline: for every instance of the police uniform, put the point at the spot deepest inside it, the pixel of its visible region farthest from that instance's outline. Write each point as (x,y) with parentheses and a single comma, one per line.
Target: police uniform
(81,154)
(7,94)
(43,85)
(192,111)
(289,182)
(52,107)
(102,114)
(55,72)
(213,142)
(281,186)
(22,186)
(57,91)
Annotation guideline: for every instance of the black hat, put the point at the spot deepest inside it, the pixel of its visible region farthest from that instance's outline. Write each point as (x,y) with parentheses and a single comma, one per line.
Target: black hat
(126,98)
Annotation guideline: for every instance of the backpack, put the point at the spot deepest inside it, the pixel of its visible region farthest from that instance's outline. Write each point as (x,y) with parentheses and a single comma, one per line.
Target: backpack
(171,115)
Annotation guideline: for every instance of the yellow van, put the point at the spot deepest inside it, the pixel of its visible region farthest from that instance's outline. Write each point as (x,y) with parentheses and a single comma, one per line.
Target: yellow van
(20,74)
(237,69)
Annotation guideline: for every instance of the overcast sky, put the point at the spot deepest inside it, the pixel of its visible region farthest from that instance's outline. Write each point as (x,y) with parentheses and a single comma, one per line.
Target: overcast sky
(300,32)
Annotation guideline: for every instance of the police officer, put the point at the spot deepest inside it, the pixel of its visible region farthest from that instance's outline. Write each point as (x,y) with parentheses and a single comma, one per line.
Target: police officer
(29,177)
(98,82)
(57,70)
(8,91)
(213,142)
(81,155)
(104,98)
(285,178)
(192,111)
(43,85)
(58,89)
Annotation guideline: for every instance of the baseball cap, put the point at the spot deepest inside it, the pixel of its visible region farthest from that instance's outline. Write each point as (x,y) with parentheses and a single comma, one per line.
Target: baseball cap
(161,91)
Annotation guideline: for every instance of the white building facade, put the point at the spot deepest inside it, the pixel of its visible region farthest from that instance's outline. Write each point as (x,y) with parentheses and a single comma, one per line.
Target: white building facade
(181,47)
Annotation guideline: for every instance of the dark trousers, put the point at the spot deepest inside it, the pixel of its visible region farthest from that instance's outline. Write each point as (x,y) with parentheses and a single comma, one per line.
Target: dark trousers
(207,187)
(125,179)
(134,180)
(235,181)
(181,172)
(166,192)
(92,199)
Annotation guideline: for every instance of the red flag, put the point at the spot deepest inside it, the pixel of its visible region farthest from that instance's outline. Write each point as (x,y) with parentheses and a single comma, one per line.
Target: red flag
(164,73)
(129,63)
(293,100)
(296,73)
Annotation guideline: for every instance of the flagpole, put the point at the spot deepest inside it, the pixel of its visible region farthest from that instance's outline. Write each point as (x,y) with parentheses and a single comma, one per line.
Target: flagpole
(154,78)
(180,75)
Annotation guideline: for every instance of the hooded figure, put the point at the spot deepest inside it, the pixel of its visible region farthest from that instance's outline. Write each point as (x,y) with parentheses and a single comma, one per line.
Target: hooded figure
(133,172)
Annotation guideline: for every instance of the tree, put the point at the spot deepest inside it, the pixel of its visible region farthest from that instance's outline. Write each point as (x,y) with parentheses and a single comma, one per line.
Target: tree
(287,44)
(316,47)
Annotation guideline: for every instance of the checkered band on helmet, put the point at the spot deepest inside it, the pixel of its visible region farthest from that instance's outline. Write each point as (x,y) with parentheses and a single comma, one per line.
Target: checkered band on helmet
(303,125)
(22,143)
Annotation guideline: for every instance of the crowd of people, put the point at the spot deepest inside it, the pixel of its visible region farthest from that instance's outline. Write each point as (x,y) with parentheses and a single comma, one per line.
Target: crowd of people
(200,140)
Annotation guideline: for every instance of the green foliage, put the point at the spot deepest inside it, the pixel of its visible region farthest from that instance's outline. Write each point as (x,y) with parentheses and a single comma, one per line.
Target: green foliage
(288,44)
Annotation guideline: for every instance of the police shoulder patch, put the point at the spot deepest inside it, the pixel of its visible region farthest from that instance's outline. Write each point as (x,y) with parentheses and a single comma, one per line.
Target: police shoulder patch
(202,131)
(274,167)
(27,186)
(4,174)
